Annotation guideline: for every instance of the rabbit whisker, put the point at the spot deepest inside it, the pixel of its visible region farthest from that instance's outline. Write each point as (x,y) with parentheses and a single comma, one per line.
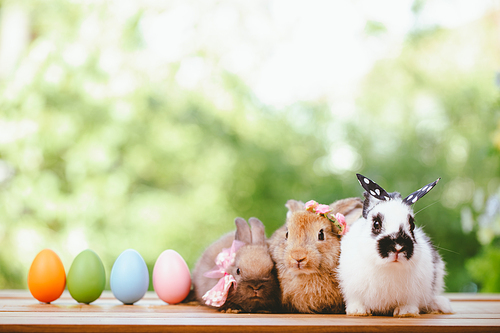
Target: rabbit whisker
(435,202)
(445,249)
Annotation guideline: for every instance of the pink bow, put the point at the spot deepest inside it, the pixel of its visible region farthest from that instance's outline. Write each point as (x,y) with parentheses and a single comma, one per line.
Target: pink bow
(218,294)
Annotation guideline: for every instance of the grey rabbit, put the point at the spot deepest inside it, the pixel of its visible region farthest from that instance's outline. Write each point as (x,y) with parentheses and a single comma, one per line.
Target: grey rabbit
(256,287)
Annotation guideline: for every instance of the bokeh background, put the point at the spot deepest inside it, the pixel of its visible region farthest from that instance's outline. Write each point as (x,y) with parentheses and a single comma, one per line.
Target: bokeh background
(153,124)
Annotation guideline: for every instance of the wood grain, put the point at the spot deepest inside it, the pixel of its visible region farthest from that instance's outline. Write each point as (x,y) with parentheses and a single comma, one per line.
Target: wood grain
(20,312)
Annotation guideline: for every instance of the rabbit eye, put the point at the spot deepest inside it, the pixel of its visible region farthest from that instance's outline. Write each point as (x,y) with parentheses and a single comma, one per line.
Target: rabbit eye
(321,235)
(377,224)
(286,235)
(412,222)
(238,271)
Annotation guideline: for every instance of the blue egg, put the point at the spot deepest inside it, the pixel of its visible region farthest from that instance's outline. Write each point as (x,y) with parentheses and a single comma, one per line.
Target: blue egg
(129,277)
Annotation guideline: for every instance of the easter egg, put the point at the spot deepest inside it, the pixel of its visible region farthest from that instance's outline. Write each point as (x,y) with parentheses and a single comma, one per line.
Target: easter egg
(129,277)
(46,277)
(86,277)
(171,278)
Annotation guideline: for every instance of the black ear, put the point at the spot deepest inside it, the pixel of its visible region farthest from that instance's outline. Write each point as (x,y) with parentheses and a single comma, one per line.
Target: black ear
(412,198)
(373,195)
(373,188)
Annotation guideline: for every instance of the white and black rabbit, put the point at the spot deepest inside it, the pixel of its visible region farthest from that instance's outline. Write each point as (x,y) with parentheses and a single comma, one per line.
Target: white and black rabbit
(250,271)
(387,265)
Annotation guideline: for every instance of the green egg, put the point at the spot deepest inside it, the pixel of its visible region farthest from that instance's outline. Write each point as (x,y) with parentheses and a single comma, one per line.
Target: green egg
(86,277)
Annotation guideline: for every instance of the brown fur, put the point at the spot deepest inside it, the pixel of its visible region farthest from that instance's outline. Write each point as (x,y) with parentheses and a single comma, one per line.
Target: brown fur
(257,288)
(307,266)
(257,285)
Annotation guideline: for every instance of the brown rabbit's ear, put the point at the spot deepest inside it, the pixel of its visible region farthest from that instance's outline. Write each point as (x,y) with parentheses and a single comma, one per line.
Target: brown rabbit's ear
(351,208)
(258,231)
(293,206)
(242,231)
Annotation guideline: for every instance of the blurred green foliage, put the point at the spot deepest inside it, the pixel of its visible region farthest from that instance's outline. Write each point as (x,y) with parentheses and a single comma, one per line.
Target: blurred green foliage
(102,150)
(484,269)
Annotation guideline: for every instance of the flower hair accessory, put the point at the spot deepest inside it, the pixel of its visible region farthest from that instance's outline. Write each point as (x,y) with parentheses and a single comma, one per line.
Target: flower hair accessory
(218,294)
(326,211)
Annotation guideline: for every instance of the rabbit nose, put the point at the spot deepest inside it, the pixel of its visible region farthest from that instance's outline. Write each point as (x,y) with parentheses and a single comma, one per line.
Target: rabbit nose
(299,255)
(256,290)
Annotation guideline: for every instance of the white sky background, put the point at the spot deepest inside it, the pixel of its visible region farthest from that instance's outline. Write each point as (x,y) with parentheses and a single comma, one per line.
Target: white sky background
(285,50)
(295,50)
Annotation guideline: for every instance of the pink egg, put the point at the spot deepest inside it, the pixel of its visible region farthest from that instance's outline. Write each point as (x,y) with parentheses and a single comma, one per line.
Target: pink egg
(171,278)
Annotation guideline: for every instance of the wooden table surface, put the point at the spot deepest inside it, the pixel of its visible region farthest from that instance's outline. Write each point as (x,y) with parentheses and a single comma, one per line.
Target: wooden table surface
(20,312)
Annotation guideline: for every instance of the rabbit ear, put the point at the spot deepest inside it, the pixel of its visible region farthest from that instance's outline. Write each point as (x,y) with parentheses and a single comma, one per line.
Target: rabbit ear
(412,198)
(373,195)
(258,231)
(351,208)
(293,206)
(373,188)
(242,231)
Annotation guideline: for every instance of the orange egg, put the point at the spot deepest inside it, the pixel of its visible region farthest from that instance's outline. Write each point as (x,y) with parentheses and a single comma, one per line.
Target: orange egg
(46,278)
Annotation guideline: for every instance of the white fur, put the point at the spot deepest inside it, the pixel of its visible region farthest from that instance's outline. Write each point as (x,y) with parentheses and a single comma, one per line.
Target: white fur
(372,284)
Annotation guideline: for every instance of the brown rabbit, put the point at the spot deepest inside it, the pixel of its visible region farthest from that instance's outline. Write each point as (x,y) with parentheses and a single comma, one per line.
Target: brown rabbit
(306,252)
(256,288)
